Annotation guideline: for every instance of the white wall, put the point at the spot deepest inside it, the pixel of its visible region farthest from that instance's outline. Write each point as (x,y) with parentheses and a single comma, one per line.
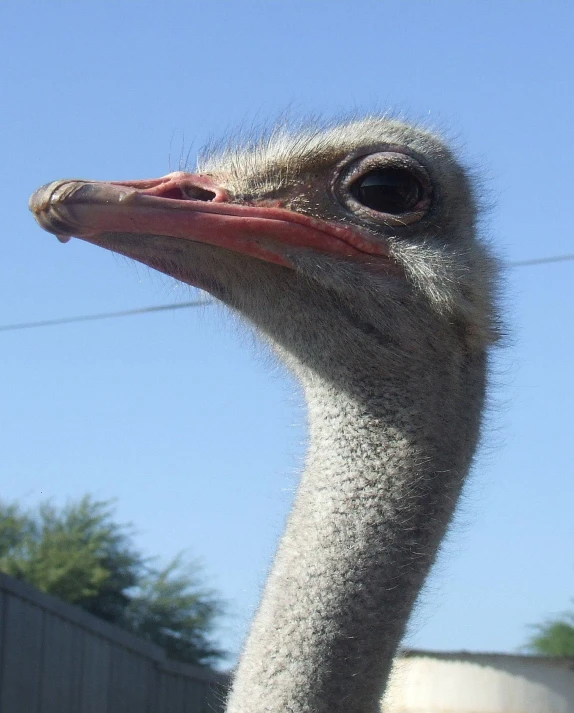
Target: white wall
(480,683)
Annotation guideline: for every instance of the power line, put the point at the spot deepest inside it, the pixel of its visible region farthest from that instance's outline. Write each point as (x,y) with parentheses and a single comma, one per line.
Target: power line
(541,260)
(200,303)
(103,315)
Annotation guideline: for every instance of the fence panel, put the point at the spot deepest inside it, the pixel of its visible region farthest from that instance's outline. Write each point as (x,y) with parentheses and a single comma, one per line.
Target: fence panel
(62,663)
(96,669)
(129,682)
(22,655)
(55,658)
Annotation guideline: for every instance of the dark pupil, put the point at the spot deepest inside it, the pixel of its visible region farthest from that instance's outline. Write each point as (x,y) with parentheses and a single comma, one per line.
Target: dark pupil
(388,190)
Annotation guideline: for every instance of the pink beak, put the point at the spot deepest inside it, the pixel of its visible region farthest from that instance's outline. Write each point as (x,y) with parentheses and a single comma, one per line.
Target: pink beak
(192,207)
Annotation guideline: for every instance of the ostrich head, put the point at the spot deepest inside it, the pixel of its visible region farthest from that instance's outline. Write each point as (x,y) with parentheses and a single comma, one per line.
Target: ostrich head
(353,248)
(368,223)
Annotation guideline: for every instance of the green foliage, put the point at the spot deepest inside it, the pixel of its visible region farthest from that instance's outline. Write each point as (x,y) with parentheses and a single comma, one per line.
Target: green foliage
(82,556)
(554,638)
(171,609)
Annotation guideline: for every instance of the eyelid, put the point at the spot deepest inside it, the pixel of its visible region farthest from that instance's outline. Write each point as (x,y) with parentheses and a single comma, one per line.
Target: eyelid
(380,160)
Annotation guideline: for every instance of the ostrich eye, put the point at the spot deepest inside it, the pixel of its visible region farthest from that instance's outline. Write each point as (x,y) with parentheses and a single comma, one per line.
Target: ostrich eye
(388,190)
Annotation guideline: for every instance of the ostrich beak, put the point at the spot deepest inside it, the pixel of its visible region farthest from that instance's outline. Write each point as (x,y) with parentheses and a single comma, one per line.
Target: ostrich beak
(192,207)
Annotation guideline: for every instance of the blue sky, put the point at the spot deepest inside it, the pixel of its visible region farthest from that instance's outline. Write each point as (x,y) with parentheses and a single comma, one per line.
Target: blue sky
(179,416)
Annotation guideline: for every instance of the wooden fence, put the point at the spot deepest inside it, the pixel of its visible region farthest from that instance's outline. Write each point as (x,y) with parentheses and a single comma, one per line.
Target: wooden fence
(56,658)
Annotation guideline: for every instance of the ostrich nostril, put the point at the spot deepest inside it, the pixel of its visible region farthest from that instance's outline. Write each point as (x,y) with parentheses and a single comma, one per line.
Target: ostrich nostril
(188,192)
(190,186)
(195,193)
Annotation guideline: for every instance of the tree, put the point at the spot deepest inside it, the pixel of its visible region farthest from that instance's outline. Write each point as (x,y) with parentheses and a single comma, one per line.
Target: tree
(82,556)
(172,610)
(77,554)
(554,637)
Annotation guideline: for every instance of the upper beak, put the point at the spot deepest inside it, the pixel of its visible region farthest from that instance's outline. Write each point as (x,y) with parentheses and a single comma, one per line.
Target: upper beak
(191,207)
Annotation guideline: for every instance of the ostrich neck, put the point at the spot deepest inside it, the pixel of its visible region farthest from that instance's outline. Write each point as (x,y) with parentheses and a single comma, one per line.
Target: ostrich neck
(385,466)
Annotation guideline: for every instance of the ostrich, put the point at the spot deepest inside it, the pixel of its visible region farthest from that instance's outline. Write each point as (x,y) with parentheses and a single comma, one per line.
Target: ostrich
(353,250)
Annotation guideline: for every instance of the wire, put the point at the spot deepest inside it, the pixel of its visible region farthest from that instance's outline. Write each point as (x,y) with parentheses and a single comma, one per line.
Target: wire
(541,260)
(202,303)
(103,315)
